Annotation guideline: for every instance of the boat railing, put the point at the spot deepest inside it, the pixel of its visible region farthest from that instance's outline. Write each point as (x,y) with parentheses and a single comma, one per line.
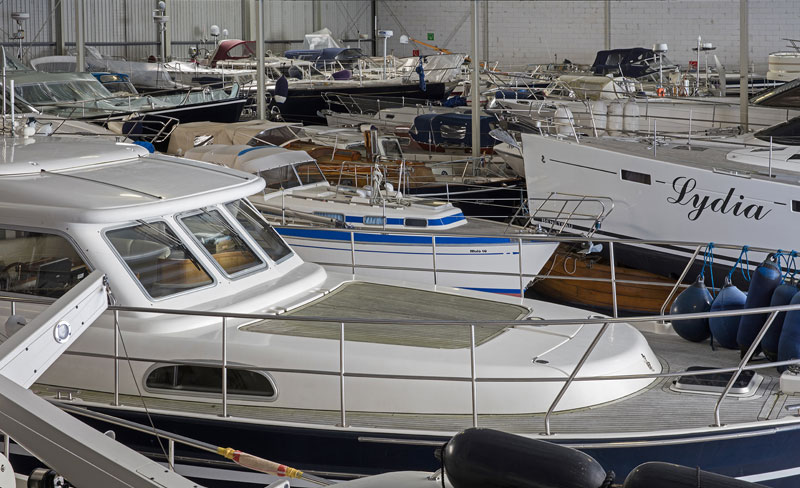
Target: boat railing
(371,105)
(558,212)
(231,320)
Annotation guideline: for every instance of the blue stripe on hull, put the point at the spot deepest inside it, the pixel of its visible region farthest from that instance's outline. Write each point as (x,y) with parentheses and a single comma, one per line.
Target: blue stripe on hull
(344,236)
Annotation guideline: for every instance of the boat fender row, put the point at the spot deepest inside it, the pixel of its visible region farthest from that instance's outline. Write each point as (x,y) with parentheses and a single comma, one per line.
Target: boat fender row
(724,329)
(789,343)
(694,299)
(621,117)
(765,278)
(782,295)
(666,475)
(480,458)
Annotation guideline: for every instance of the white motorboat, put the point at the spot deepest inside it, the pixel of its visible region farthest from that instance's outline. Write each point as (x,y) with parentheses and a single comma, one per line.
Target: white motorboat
(221,327)
(378,231)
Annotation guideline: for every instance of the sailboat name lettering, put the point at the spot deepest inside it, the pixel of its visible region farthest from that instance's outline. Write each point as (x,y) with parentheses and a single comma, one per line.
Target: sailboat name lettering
(684,187)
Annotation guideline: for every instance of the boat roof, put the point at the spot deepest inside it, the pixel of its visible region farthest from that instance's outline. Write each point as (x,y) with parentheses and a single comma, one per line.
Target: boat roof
(22,77)
(248,158)
(68,180)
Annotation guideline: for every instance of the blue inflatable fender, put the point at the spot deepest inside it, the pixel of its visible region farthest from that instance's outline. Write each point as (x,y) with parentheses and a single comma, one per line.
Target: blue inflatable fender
(782,295)
(695,299)
(724,329)
(766,277)
(789,344)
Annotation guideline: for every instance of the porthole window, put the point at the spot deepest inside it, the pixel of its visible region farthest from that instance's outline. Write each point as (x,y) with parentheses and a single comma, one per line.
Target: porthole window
(208,379)
(416,223)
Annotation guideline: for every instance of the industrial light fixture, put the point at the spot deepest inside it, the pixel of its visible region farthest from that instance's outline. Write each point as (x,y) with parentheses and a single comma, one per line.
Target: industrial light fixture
(19,17)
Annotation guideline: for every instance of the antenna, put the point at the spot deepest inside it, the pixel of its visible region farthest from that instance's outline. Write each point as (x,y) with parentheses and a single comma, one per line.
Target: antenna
(214,31)
(160,18)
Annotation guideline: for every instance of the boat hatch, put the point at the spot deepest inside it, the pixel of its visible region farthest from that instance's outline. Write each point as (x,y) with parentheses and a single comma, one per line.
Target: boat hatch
(745,385)
(359,300)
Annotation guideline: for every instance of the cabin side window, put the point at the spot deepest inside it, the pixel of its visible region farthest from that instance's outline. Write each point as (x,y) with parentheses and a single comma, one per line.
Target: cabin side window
(635,177)
(416,222)
(38,263)
(261,232)
(208,379)
(222,242)
(158,259)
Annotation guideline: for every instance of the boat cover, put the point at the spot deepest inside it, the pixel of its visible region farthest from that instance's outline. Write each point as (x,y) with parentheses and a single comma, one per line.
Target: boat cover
(629,60)
(450,130)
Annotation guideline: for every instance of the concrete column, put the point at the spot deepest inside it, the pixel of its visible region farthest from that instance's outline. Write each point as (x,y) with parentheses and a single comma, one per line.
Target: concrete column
(607,16)
(167,33)
(249,20)
(476,92)
(80,58)
(58,27)
(485,31)
(316,8)
(744,63)
(261,102)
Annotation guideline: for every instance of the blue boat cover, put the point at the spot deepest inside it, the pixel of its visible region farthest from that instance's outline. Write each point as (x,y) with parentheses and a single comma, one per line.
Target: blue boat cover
(450,130)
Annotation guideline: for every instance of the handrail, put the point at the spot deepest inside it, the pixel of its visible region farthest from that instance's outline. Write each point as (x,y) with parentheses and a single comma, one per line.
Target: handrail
(572,376)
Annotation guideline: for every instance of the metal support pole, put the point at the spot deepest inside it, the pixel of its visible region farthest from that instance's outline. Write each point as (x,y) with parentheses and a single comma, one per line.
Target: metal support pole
(224,366)
(485,37)
(473,375)
(13,307)
(353,251)
(756,343)
(476,93)
(116,358)
(171,454)
(260,88)
(744,62)
(80,60)
(521,271)
(613,278)
(6,445)
(343,419)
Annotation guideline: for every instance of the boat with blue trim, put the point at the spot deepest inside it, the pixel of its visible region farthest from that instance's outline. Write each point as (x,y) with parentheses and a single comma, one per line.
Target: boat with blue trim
(378,231)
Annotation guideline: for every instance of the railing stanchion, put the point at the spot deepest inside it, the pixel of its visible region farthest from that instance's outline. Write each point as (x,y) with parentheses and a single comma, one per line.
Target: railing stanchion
(224,366)
(171,454)
(13,307)
(116,358)
(473,373)
(433,248)
(680,280)
(572,377)
(745,359)
(521,279)
(353,252)
(613,278)
(343,419)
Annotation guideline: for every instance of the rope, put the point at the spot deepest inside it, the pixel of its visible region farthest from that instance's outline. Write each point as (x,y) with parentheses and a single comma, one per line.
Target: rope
(744,269)
(778,256)
(708,261)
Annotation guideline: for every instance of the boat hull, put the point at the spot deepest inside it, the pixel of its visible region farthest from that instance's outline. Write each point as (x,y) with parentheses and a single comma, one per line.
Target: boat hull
(478,263)
(758,454)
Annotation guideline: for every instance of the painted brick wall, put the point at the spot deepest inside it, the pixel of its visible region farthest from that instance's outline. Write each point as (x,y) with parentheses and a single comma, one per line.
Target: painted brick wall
(535,31)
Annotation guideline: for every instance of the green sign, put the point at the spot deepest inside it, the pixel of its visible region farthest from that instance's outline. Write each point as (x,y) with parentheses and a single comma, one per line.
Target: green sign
(430,36)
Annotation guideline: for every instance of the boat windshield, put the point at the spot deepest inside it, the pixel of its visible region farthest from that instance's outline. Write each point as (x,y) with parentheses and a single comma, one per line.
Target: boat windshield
(158,259)
(69,91)
(259,230)
(309,173)
(229,249)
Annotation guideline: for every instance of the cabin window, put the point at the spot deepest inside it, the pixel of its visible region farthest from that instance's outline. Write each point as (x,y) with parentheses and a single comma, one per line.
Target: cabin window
(330,215)
(37,263)
(277,178)
(391,149)
(373,220)
(795,205)
(309,173)
(794,156)
(158,259)
(208,379)
(416,223)
(258,228)
(222,242)
(636,177)
(457,132)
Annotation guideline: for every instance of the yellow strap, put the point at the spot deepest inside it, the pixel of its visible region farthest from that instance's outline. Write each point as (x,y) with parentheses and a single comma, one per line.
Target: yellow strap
(226,452)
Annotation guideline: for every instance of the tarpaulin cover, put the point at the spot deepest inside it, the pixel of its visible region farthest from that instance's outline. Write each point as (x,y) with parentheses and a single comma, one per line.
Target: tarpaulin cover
(450,130)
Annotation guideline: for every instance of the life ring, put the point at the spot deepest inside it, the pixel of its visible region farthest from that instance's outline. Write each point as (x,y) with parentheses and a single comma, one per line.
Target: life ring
(661,91)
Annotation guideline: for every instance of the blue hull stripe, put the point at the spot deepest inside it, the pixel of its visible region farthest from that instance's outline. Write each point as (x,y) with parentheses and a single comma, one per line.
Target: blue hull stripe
(355,219)
(344,236)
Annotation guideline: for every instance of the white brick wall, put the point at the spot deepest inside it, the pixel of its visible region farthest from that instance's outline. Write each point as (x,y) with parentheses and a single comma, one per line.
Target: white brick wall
(534,31)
